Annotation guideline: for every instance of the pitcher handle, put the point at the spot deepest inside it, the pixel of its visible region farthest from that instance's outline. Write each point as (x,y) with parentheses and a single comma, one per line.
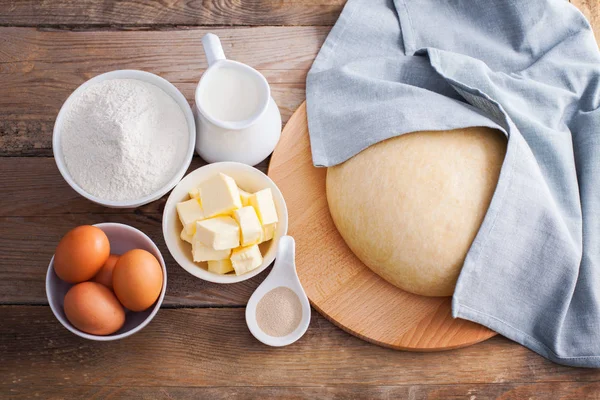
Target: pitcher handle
(212,48)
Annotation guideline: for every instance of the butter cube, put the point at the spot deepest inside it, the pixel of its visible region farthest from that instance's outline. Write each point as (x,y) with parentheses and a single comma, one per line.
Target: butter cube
(202,253)
(220,266)
(189,212)
(219,233)
(245,259)
(250,227)
(263,203)
(219,195)
(185,237)
(268,232)
(245,196)
(194,193)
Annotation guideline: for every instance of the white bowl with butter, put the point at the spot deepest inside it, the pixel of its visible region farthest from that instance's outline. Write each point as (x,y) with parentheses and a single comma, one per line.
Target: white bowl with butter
(247,178)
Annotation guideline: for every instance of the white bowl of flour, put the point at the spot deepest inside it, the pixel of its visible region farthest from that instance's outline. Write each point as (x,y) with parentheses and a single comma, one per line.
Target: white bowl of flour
(124,138)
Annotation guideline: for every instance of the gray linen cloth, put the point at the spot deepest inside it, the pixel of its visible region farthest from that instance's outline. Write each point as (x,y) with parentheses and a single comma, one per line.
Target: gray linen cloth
(529,68)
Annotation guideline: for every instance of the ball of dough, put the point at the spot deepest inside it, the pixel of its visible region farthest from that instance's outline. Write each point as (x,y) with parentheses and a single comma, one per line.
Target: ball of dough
(409,207)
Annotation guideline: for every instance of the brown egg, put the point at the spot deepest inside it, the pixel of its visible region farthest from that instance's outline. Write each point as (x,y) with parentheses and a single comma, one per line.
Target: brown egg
(137,279)
(81,253)
(93,308)
(104,276)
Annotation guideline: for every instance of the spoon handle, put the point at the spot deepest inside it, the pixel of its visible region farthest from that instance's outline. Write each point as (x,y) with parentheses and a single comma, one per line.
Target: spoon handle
(286,254)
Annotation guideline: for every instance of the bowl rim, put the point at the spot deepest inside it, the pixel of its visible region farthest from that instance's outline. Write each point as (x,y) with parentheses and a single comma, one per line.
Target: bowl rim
(201,273)
(107,338)
(147,77)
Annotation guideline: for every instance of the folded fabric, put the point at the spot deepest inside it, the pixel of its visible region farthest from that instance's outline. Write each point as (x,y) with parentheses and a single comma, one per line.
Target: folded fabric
(528,68)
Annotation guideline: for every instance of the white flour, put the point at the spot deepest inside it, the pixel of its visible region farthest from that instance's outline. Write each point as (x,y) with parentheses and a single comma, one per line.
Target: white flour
(123,139)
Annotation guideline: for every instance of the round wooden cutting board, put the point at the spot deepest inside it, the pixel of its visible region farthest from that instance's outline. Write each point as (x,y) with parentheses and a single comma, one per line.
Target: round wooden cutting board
(337,283)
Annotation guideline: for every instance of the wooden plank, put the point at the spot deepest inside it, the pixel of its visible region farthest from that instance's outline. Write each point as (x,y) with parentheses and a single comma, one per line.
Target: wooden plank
(28,243)
(541,391)
(32,186)
(39,69)
(191,12)
(213,347)
(133,13)
(591,10)
(208,347)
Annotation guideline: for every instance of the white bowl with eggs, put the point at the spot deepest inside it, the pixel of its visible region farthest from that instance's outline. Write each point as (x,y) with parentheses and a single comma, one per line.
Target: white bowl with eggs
(122,238)
(143,76)
(247,178)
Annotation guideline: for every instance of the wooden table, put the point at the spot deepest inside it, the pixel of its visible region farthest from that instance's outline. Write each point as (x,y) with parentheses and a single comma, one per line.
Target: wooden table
(198,345)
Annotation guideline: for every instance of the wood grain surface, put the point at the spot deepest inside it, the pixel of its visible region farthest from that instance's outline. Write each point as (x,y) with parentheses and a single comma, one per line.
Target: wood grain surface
(40,69)
(151,13)
(213,348)
(529,391)
(337,283)
(198,345)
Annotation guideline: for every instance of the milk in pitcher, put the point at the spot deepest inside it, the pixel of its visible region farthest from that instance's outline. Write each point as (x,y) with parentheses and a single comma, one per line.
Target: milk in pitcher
(236,117)
(231,94)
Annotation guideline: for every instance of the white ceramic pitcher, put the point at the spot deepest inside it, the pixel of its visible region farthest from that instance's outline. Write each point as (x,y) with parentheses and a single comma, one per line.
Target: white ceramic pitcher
(248,141)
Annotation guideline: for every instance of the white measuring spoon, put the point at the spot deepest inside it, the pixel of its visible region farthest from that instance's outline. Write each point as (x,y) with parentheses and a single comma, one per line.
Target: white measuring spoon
(283,274)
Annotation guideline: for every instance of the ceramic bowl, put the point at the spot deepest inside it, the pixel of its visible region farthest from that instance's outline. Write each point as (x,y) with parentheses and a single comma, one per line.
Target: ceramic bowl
(248,178)
(141,76)
(122,238)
